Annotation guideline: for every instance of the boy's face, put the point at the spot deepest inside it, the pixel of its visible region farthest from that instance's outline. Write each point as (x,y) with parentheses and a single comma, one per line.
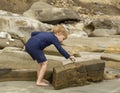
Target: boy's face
(60,37)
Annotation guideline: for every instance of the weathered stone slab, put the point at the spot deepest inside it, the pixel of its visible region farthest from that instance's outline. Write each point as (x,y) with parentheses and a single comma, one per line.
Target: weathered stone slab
(69,75)
(94,70)
(111,57)
(18,74)
(51,50)
(16,64)
(77,74)
(113,49)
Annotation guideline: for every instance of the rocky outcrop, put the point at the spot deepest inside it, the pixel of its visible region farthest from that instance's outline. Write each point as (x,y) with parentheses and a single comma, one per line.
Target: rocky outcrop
(112,57)
(78,74)
(102,26)
(6,43)
(20,27)
(51,50)
(95,36)
(81,6)
(92,44)
(16,64)
(49,14)
(16,6)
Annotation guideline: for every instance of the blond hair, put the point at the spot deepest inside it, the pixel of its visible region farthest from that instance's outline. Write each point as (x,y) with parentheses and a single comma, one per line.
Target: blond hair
(61,29)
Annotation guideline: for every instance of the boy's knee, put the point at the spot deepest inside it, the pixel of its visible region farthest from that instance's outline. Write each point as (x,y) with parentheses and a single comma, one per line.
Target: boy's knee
(45,63)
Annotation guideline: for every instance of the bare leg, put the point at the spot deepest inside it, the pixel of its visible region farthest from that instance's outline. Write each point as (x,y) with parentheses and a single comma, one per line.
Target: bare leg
(42,69)
(38,71)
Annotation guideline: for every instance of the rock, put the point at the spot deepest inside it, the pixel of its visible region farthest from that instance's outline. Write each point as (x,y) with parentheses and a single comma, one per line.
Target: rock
(4,70)
(110,26)
(20,27)
(103,32)
(21,65)
(111,57)
(95,70)
(92,44)
(112,49)
(77,74)
(116,3)
(100,7)
(16,6)
(49,14)
(69,75)
(78,34)
(6,43)
(51,50)
(112,64)
(111,73)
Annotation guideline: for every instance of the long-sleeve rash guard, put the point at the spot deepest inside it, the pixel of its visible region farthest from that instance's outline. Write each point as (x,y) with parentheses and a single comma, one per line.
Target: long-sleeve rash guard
(40,40)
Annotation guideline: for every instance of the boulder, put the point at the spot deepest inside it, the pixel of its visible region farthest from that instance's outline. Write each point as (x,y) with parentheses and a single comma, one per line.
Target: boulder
(76,74)
(16,64)
(109,26)
(6,43)
(49,14)
(16,6)
(20,27)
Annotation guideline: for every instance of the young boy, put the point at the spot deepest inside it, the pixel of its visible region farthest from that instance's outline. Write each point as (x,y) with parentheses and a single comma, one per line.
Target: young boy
(39,41)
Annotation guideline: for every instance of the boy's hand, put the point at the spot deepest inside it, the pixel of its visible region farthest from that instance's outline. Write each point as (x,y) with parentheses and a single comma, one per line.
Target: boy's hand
(72,58)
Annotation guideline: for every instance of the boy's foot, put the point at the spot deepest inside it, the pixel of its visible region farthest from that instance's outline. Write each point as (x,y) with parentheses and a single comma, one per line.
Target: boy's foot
(46,81)
(43,84)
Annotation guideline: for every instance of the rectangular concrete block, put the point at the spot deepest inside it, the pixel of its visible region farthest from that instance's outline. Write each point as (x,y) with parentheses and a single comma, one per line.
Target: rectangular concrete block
(77,74)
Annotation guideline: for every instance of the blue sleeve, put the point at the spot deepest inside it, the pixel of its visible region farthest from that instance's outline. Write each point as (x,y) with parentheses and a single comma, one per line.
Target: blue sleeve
(34,33)
(60,49)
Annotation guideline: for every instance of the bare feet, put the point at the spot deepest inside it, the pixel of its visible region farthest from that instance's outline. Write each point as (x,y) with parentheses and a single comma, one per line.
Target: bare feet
(42,84)
(46,81)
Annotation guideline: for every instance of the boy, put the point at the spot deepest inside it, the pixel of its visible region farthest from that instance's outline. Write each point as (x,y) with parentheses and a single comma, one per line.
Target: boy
(39,41)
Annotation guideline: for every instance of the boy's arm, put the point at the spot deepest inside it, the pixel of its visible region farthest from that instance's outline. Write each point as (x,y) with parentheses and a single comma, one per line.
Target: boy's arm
(61,50)
(34,33)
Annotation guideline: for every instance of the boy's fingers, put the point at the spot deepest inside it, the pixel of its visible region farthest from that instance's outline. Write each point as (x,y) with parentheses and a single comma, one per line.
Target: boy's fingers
(73,60)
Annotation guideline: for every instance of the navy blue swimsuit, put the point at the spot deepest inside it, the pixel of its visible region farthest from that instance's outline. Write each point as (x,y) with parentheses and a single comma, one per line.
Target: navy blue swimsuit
(39,41)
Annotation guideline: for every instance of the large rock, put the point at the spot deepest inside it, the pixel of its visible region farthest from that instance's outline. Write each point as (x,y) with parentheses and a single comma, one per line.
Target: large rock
(116,3)
(51,50)
(16,6)
(108,26)
(49,14)
(16,64)
(112,49)
(78,73)
(111,57)
(92,44)
(20,27)
(6,43)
